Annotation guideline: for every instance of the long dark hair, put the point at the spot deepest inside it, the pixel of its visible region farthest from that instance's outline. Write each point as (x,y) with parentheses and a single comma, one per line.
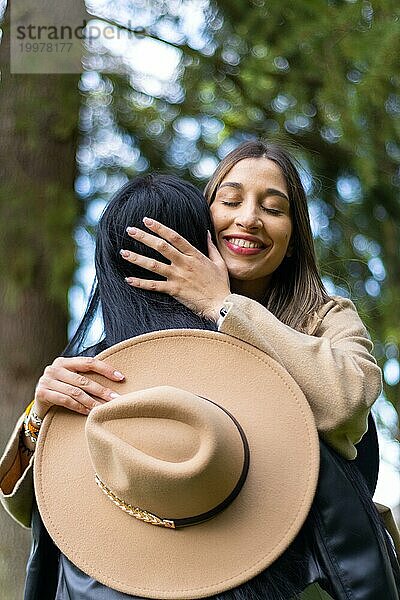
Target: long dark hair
(296,290)
(127,311)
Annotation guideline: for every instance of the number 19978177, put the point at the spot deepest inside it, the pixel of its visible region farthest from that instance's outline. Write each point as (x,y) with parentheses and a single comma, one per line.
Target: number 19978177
(45,47)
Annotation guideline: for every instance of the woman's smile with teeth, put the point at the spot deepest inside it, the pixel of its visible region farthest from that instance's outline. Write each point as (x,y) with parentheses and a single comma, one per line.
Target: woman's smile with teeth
(242,247)
(244,243)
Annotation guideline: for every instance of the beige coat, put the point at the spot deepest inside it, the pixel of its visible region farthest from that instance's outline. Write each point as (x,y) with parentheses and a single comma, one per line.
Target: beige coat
(332,364)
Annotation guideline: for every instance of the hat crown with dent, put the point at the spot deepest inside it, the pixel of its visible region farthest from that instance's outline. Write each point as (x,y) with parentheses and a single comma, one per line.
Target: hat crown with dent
(166,451)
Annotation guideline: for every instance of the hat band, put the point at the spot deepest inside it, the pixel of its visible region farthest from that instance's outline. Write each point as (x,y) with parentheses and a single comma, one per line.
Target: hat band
(134,511)
(147,517)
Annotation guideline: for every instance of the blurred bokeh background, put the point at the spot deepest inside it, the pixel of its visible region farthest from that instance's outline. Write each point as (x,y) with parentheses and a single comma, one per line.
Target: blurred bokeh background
(182,84)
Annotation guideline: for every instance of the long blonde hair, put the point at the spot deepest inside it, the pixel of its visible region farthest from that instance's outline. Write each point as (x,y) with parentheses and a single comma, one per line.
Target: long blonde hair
(296,291)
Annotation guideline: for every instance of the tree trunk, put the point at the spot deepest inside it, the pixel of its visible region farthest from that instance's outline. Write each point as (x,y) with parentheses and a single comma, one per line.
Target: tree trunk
(38,212)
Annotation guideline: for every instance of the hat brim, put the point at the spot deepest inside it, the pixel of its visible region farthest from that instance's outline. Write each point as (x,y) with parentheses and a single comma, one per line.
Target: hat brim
(241,541)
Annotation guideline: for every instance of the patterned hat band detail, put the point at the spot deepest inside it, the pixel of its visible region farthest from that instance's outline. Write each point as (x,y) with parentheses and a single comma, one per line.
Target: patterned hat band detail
(134,511)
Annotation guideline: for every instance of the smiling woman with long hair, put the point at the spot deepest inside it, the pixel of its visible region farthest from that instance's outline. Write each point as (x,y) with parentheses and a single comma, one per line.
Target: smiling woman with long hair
(254,277)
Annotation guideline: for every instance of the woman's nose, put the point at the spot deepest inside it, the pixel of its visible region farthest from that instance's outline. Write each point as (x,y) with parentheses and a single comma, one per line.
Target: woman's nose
(248,218)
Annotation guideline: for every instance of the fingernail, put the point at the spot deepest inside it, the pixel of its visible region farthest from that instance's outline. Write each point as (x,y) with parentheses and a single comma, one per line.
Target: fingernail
(114,395)
(132,230)
(119,375)
(148,221)
(124,253)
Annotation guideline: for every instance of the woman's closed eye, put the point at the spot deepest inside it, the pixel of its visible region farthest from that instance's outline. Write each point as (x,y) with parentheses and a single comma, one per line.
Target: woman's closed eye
(265,208)
(229,203)
(273,211)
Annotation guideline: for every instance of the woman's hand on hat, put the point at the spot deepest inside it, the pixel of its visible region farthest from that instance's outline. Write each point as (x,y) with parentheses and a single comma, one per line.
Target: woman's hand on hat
(63,383)
(199,282)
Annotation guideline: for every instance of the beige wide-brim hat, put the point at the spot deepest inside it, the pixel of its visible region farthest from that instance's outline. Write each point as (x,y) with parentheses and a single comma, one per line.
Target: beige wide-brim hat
(193,481)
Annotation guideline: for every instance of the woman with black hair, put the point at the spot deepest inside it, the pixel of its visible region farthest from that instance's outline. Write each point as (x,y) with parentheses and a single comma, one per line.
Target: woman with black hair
(175,277)
(125,312)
